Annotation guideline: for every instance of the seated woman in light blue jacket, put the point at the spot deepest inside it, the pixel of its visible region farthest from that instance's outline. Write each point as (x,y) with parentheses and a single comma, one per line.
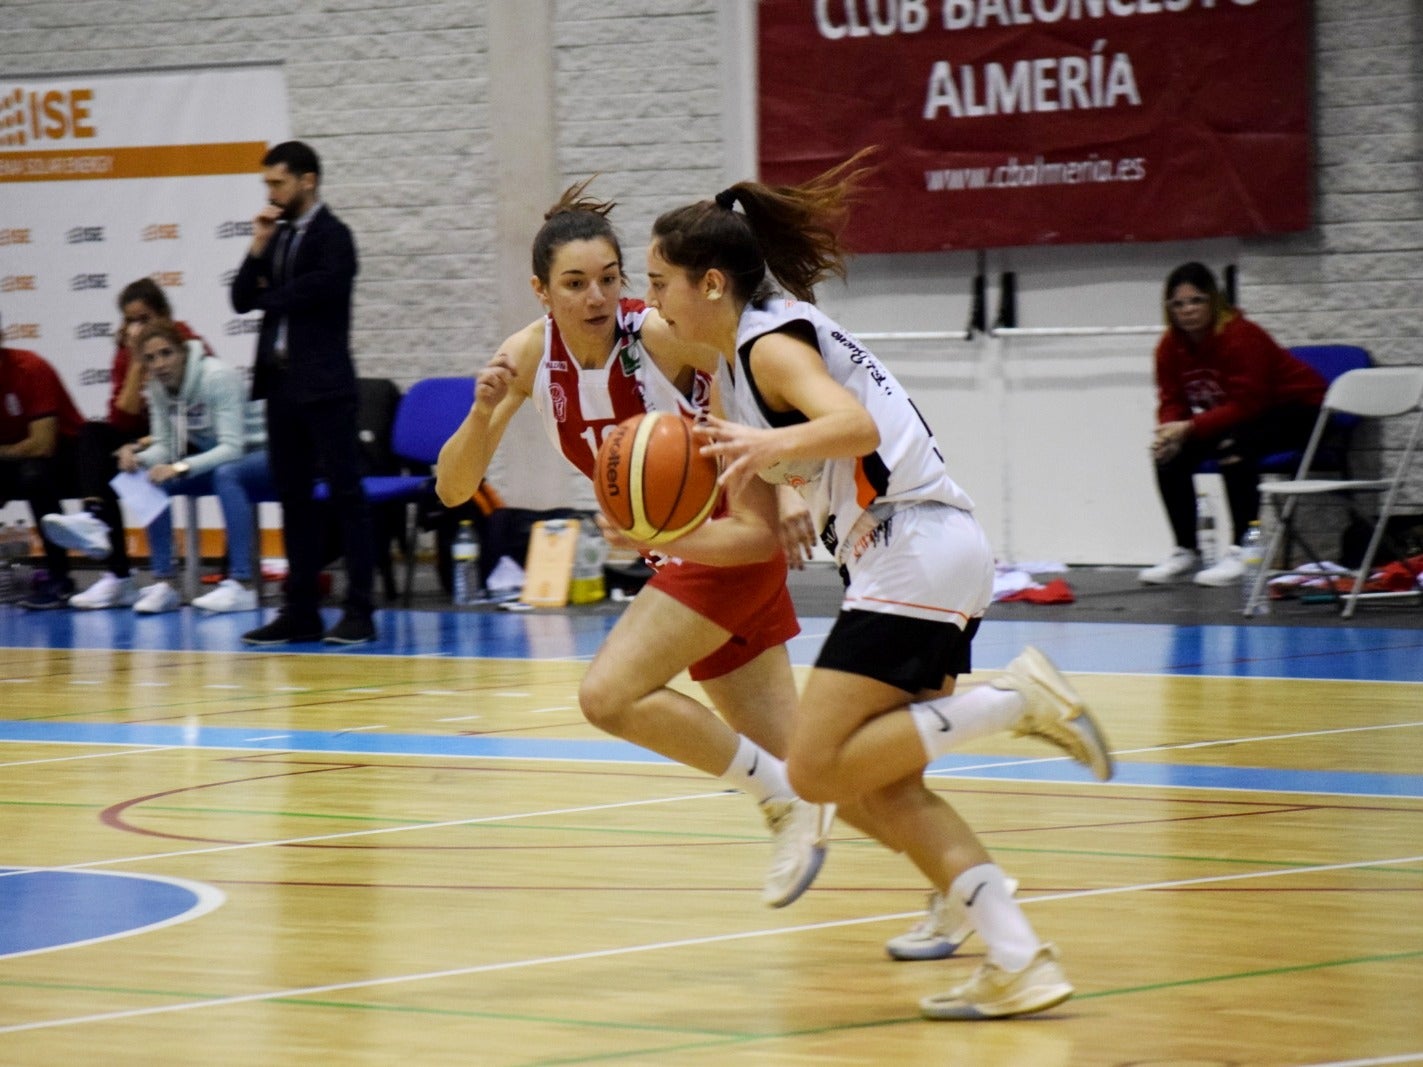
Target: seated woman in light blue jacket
(206,436)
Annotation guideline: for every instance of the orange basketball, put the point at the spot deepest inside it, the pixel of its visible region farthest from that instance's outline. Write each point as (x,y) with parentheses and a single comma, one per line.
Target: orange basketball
(652,481)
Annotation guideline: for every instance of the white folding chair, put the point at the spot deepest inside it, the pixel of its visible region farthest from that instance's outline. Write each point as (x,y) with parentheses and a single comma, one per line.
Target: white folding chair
(1369,393)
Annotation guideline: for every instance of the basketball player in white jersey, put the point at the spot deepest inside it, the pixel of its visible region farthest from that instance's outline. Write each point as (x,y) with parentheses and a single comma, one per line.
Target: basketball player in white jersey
(592,361)
(807,404)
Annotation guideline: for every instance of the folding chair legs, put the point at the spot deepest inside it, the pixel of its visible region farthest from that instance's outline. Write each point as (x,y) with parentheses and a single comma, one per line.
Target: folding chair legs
(1278,539)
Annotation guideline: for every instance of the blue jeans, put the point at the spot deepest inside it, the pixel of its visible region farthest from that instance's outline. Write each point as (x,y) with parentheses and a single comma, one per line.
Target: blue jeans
(229,483)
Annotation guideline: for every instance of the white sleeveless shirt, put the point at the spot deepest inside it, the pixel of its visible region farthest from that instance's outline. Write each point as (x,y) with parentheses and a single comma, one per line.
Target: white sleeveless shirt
(906,468)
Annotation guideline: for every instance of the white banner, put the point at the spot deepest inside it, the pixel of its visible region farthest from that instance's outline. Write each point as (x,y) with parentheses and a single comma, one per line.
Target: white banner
(107,178)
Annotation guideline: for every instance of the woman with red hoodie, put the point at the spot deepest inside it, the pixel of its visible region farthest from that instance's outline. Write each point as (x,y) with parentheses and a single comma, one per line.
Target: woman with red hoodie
(1225,391)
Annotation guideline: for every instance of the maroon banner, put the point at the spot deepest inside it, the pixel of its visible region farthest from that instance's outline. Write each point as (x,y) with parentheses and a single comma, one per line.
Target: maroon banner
(1018,122)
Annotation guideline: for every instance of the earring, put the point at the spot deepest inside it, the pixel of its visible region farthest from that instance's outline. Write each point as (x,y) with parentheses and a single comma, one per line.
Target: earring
(715,294)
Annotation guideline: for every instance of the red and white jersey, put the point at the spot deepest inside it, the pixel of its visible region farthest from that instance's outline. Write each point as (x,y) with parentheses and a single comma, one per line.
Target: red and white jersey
(907,467)
(579,406)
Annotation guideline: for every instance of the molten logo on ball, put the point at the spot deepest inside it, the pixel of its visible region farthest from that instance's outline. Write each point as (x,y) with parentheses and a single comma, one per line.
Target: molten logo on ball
(610,467)
(652,481)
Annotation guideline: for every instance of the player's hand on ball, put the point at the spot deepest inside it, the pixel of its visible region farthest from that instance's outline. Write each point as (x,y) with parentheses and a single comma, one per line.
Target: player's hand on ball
(743,450)
(616,538)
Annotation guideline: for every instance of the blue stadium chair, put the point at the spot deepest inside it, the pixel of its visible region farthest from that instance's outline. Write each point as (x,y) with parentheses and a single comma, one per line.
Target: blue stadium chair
(429,412)
(1331,361)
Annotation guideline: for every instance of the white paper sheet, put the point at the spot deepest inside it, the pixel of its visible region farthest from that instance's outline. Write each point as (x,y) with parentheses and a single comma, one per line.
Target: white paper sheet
(142,500)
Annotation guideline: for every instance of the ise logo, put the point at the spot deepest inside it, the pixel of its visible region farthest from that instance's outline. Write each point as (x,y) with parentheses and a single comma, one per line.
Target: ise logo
(48,115)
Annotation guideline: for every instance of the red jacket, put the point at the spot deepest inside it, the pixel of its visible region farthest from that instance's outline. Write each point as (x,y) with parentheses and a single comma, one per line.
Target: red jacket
(30,389)
(1233,376)
(137,425)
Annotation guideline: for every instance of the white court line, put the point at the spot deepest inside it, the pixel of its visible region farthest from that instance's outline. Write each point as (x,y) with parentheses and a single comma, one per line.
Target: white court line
(630,950)
(949,772)
(92,755)
(242,845)
(360,729)
(553,708)
(269,737)
(17,681)
(1407,1057)
(1272,737)
(460,718)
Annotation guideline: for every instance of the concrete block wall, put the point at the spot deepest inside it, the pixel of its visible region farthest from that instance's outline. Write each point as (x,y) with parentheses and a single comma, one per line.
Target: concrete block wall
(392,96)
(1357,276)
(638,102)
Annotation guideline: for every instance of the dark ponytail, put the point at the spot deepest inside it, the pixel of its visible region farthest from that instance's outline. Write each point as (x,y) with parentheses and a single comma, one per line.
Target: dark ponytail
(791,232)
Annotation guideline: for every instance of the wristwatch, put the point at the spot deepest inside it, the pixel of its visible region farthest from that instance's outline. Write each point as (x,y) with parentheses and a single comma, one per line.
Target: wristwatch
(181,469)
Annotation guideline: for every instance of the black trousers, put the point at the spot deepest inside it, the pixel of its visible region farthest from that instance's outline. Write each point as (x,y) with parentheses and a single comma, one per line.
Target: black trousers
(1238,455)
(98,441)
(303,438)
(43,482)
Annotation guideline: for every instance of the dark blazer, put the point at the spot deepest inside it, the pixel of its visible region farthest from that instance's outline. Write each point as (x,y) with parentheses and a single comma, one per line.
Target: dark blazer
(316,301)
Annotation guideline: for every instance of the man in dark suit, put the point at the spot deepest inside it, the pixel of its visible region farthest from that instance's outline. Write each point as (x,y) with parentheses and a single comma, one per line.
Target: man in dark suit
(300,271)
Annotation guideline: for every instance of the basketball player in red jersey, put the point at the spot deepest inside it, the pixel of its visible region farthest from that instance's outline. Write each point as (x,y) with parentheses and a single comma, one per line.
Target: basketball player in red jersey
(592,361)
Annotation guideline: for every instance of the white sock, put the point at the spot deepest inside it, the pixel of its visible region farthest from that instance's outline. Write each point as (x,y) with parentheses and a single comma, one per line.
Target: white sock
(948,722)
(755,771)
(983,892)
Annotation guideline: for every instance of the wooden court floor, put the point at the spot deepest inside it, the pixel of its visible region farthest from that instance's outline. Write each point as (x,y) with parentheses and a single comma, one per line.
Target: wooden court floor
(216,857)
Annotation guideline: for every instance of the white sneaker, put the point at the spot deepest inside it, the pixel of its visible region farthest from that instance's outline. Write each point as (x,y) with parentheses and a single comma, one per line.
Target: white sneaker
(110,591)
(939,934)
(230,595)
(1177,565)
(158,598)
(81,531)
(1055,712)
(993,993)
(1228,571)
(798,833)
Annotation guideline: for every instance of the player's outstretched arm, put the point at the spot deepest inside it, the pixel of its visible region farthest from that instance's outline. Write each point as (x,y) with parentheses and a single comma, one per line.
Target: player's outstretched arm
(500,388)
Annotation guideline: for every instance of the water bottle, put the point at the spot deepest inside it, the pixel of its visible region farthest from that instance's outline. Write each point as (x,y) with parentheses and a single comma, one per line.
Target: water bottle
(587,585)
(1252,554)
(464,555)
(14,550)
(1206,543)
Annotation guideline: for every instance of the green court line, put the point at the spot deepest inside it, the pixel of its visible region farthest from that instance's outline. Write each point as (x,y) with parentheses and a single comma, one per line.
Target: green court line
(1224,860)
(630,832)
(544,1020)
(1264,972)
(74,987)
(241,694)
(718,1038)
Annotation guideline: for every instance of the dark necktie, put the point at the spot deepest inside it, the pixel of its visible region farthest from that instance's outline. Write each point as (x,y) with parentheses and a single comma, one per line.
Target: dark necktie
(281,266)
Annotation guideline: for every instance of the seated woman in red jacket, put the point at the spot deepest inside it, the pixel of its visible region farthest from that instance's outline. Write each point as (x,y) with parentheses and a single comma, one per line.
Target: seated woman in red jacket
(1225,391)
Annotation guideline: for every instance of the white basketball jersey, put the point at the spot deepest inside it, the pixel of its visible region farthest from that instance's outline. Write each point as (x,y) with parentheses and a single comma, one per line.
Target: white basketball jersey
(907,467)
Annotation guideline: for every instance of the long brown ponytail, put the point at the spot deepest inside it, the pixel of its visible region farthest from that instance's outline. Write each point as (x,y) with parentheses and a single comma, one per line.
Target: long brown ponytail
(791,232)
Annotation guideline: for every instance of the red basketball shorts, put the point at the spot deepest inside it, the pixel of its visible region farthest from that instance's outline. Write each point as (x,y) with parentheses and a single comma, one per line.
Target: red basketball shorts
(751,601)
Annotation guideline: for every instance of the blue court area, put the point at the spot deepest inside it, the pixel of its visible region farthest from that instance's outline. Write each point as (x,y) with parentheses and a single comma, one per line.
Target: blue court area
(1254,650)
(48,909)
